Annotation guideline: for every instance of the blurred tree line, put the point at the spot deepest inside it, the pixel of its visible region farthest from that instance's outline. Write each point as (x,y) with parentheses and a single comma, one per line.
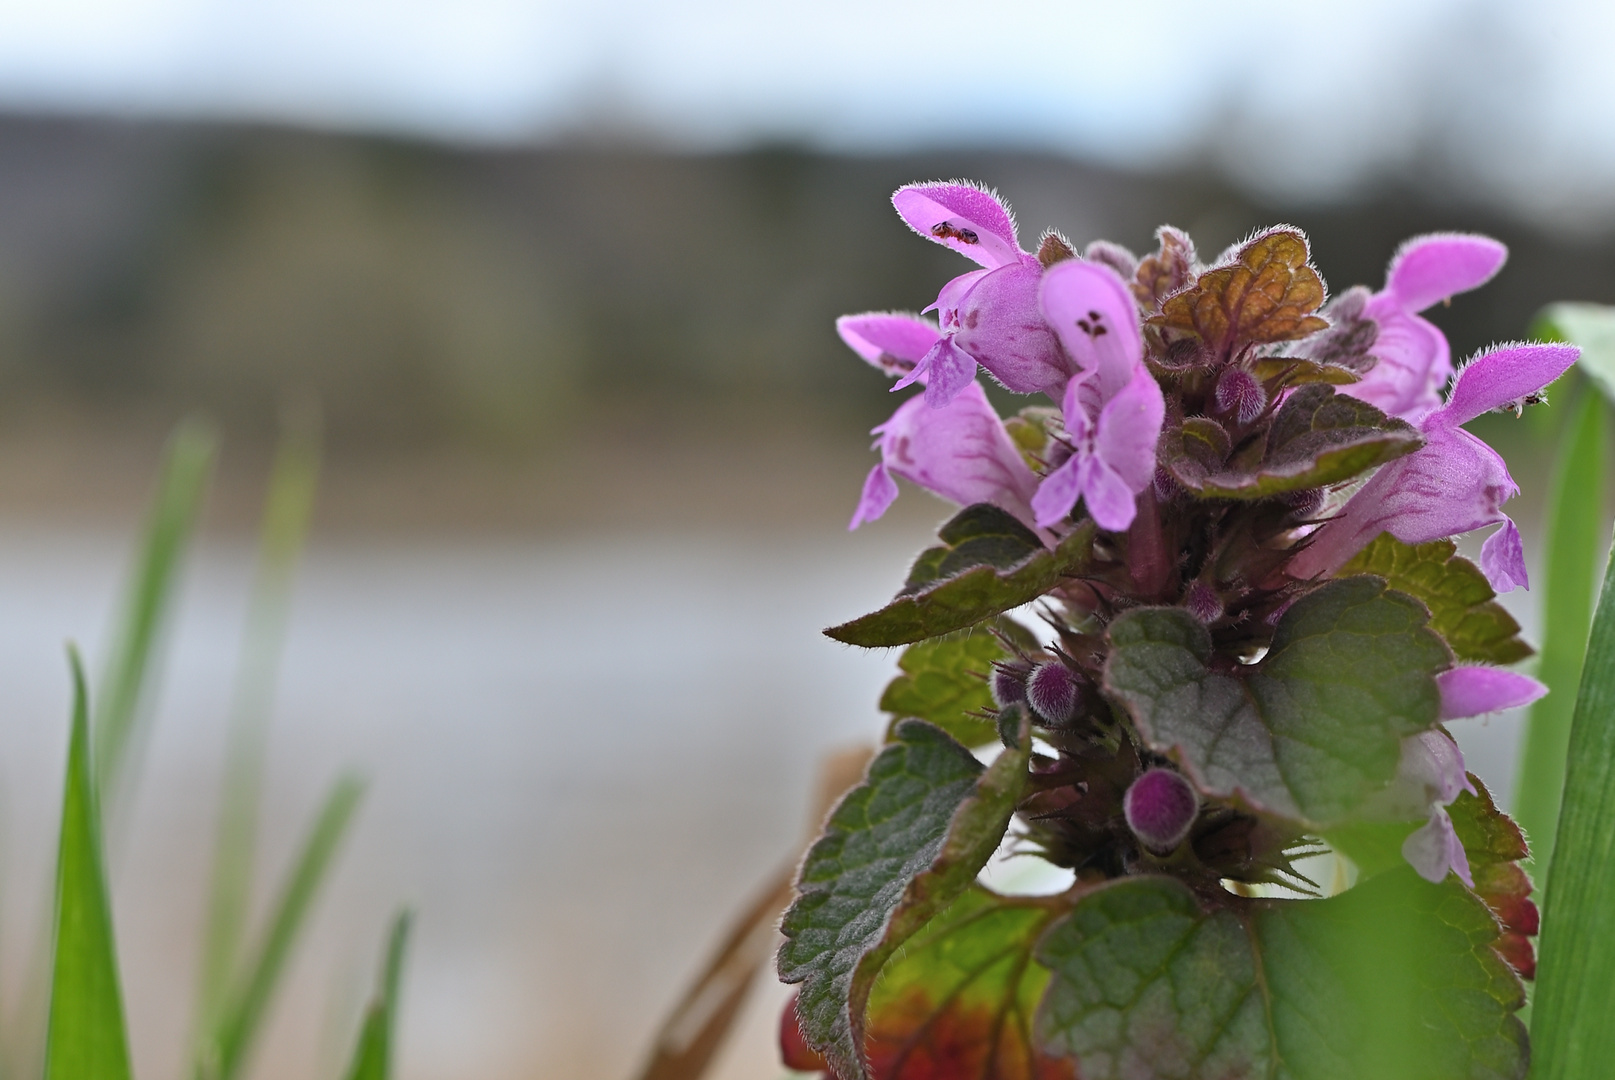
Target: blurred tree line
(430,293)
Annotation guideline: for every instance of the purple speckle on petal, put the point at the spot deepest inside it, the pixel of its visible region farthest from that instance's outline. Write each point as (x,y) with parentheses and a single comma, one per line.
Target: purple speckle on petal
(1054,693)
(1160,807)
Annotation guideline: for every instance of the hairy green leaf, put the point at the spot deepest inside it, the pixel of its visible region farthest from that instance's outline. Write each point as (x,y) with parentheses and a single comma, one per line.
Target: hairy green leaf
(242,1020)
(1395,979)
(1575,533)
(946,604)
(958,1000)
(1575,996)
(86,1036)
(1318,437)
(943,681)
(895,852)
(1463,608)
(1310,731)
(372,1057)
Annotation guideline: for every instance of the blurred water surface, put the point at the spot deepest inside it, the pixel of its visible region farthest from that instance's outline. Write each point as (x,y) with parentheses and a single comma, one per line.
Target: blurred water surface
(583,753)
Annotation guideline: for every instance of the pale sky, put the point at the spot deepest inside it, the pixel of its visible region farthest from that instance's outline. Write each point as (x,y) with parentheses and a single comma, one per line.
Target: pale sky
(1509,101)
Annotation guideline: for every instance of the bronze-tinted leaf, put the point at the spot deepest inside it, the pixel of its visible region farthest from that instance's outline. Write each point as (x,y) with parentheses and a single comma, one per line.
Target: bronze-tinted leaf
(1268,293)
(1168,270)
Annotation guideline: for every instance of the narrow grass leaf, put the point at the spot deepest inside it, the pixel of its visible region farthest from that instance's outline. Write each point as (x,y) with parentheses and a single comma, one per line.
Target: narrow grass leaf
(242,1020)
(372,1058)
(1575,515)
(170,524)
(1571,1034)
(287,511)
(86,1036)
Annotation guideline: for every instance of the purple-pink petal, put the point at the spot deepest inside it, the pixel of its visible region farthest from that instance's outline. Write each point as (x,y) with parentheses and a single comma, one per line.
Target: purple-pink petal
(1474,691)
(1111,502)
(1128,430)
(1502,375)
(967,218)
(1428,269)
(945,370)
(999,324)
(892,341)
(1412,362)
(880,491)
(1058,493)
(1093,313)
(959,451)
(1434,848)
(1502,559)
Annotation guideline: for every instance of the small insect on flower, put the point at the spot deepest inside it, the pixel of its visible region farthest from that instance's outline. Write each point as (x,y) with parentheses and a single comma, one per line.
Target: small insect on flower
(1517,406)
(944,230)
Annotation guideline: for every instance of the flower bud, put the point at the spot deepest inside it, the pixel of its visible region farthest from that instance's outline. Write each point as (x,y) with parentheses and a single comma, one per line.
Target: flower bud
(1008,684)
(1054,693)
(1202,602)
(1239,394)
(1160,807)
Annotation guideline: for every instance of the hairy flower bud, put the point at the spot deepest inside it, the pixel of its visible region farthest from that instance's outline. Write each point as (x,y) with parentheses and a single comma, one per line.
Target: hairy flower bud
(1008,684)
(1239,394)
(1160,807)
(1202,602)
(1054,693)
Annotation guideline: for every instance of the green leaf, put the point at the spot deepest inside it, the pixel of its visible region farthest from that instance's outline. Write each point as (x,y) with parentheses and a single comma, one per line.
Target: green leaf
(170,525)
(287,512)
(1396,978)
(1463,608)
(958,1000)
(954,603)
(1494,847)
(1277,372)
(895,852)
(86,1036)
(372,1057)
(1318,437)
(1310,731)
(979,535)
(1575,533)
(1591,326)
(943,682)
(1575,996)
(241,1021)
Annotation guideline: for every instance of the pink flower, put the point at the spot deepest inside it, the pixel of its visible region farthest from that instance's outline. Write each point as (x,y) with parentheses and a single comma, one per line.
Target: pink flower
(989,316)
(959,451)
(1455,483)
(1413,359)
(1474,691)
(1113,406)
(1428,778)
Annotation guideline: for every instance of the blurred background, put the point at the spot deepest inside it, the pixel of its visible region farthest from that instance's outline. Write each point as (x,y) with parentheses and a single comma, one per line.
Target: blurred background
(562,278)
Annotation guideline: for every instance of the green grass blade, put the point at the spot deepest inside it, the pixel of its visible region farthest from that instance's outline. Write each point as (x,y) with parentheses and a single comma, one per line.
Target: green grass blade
(241,1021)
(287,511)
(372,1057)
(1571,1033)
(86,1035)
(1575,529)
(169,527)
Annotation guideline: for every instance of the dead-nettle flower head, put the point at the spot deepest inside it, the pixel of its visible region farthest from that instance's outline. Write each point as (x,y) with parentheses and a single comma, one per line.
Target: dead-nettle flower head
(1160,807)
(1055,693)
(1229,491)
